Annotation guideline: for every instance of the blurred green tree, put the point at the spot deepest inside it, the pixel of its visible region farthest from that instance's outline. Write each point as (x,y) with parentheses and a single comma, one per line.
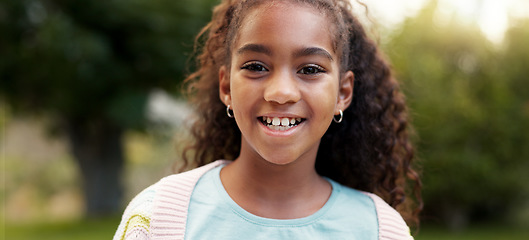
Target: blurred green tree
(91,65)
(469,102)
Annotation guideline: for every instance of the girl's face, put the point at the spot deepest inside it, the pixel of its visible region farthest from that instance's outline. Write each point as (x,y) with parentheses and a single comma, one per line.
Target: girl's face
(284,82)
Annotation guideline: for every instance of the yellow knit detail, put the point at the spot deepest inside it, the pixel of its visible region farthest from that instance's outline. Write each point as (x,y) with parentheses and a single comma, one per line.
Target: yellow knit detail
(137,221)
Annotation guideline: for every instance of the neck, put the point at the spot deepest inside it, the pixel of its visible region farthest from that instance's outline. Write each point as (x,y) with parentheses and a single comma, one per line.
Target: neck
(275,191)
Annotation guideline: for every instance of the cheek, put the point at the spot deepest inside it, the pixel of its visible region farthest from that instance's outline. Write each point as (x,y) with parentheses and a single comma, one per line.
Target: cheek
(324,96)
(243,97)
(240,91)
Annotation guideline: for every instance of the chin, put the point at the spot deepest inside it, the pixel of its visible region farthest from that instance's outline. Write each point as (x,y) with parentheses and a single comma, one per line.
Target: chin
(279,160)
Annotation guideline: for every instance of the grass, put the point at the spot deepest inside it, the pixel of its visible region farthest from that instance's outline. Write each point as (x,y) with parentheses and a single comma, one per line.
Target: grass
(88,229)
(105,228)
(481,232)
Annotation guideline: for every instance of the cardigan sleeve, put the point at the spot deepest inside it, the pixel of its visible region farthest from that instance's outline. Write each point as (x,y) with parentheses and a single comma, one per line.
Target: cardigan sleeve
(136,220)
(391,226)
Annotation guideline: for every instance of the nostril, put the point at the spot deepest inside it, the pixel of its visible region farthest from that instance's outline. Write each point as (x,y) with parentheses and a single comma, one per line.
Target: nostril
(283,95)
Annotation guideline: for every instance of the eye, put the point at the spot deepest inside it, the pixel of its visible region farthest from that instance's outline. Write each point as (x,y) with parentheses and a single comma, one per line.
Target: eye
(254,67)
(311,69)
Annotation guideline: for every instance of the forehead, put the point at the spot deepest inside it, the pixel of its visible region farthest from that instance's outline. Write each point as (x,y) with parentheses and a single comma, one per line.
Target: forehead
(286,24)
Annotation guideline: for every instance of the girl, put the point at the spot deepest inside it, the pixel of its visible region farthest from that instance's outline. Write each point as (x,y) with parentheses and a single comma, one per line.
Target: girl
(301,99)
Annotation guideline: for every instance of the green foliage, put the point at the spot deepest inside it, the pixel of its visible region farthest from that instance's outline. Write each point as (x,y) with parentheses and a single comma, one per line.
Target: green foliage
(95,59)
(469,101)
(91,65)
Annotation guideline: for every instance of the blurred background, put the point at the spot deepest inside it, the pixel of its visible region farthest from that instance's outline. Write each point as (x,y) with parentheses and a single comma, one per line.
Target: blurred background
(91,109)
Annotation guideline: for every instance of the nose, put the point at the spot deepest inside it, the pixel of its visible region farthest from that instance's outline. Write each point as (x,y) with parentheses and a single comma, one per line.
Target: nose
(282,88)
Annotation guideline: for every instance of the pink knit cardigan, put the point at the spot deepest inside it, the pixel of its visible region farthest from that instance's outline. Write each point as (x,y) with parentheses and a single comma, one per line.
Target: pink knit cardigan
(164,214)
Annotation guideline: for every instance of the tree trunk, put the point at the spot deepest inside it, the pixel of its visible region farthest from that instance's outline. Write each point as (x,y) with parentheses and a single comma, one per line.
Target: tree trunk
(97,147)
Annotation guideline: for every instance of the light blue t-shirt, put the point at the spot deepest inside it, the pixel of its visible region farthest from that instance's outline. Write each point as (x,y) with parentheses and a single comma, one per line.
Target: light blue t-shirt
(348,214)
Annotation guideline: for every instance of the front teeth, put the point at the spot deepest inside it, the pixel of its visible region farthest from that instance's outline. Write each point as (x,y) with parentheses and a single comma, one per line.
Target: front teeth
(277,123)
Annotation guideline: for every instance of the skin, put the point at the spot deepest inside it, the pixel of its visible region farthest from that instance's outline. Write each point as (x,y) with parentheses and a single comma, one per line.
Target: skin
(282,65)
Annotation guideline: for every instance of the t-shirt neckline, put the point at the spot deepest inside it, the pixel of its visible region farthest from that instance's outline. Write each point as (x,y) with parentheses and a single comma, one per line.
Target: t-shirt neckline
(225,197)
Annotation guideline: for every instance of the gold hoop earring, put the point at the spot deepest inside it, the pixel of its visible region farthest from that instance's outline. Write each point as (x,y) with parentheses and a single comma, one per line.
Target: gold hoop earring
(230,115)
(340,119)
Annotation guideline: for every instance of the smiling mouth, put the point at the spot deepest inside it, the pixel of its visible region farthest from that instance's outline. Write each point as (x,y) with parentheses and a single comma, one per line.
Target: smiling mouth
(280,124)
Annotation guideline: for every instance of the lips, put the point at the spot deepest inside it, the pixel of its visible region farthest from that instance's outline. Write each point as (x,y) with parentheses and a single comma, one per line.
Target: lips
(280,123)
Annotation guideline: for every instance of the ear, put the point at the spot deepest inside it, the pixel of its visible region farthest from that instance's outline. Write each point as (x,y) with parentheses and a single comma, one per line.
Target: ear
(224,86)
(345,92)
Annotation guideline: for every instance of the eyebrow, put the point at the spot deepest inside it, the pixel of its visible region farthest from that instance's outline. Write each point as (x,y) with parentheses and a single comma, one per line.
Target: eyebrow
(313,51)
(254,48)
(310,51)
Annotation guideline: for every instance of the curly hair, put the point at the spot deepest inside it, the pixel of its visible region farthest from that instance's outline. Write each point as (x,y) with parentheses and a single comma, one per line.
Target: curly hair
(370,150)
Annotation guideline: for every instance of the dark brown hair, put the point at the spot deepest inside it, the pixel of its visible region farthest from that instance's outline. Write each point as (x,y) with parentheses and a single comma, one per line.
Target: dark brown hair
(370,150)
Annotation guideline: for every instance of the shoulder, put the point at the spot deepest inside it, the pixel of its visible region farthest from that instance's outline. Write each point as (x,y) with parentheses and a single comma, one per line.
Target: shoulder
(135,222)
(183,182)
(160,205)
(354,200)
(390,222)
